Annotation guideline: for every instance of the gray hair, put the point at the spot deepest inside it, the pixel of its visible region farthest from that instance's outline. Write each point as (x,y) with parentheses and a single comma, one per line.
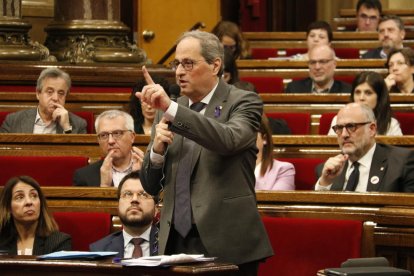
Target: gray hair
(369,113)
(53,73)
(211,47)
(394,18)
(111,114)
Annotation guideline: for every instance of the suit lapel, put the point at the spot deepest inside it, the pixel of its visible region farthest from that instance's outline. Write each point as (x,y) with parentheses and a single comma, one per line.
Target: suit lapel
(214,110)
(117,244)
(28,124)
(377,170)
(153,242)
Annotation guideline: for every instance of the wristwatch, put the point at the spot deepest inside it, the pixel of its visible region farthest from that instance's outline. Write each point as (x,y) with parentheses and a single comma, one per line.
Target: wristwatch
(68,131)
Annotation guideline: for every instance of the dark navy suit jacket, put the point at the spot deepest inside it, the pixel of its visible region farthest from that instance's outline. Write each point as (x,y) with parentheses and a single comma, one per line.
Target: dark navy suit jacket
(305,86)
(89,175)
(373,53)
(115,242)
(392,166)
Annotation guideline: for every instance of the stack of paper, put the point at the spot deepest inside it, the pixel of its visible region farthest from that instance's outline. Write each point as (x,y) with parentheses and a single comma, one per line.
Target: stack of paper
(166,260)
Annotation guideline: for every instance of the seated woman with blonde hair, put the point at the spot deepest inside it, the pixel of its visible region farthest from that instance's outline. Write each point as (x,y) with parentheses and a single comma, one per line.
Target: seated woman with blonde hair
(271,174)
(26,227)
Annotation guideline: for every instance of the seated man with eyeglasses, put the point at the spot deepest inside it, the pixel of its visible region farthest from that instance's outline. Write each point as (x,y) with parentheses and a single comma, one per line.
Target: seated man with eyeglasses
(115,131)
(136,210)
(368,13)
(322,65)
(363,164)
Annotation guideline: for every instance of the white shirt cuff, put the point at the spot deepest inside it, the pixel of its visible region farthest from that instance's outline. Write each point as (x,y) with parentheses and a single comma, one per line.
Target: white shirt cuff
(322,188)
(157,160)
(171,111)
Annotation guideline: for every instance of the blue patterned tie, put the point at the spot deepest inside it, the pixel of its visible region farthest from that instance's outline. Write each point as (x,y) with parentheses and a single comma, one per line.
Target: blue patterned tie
(182,203)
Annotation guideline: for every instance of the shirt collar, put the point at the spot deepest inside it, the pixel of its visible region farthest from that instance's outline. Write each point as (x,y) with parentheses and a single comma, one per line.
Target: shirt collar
(208,97)
(365,160)
(39,121)
(127,170)
(128,237)
(325,90)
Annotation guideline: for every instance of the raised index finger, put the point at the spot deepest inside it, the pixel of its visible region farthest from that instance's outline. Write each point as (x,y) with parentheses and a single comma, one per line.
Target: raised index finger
(147,76)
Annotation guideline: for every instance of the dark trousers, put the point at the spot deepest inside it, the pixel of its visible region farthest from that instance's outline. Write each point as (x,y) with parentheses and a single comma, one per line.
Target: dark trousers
(192,244)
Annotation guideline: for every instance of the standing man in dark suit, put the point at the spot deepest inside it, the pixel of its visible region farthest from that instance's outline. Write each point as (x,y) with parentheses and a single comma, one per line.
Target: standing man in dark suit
(53,85)
(217,189)
(322,65)
(363,164)
(136,210)
(391,34)
(116,136)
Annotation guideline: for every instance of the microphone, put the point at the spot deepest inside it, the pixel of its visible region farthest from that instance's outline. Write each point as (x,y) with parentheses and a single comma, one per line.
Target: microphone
(174,91)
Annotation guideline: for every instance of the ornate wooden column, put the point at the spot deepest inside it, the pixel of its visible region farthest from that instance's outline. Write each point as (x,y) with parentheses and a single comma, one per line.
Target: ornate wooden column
(15,43)
(90,31)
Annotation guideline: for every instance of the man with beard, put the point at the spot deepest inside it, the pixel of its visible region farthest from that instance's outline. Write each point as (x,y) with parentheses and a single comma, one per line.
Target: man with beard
(322,65)
(136,210)
(364,165)
(391,34)
(115,131)
(50,116)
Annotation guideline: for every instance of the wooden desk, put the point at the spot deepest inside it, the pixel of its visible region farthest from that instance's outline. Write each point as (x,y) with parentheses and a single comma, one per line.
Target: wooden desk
(57,145)
(295,36)
(88,74)
(318,146)
(399,12)
(292,64)
(322,146)
(392,213)
(28,265)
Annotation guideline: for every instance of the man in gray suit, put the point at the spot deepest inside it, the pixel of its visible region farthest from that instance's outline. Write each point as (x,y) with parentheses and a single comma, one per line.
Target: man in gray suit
(136,210)
(50,117)
(322,65)
(372,166)
(224,221)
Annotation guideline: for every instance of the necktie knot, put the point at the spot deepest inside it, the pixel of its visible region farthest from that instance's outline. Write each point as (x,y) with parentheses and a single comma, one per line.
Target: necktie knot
(197,106)
(137,241)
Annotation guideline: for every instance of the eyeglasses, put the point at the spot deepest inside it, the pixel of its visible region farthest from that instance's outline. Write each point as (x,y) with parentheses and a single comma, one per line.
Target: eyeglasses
(128,195)
(350,127)
(187,64)
(320,61)
(370,18)
(116,134)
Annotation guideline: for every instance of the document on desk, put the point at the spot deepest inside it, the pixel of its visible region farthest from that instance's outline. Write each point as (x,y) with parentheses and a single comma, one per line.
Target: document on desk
(164,260)
(67,255)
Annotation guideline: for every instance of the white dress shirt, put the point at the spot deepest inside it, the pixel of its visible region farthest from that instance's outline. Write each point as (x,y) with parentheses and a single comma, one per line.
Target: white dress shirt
(364,168)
